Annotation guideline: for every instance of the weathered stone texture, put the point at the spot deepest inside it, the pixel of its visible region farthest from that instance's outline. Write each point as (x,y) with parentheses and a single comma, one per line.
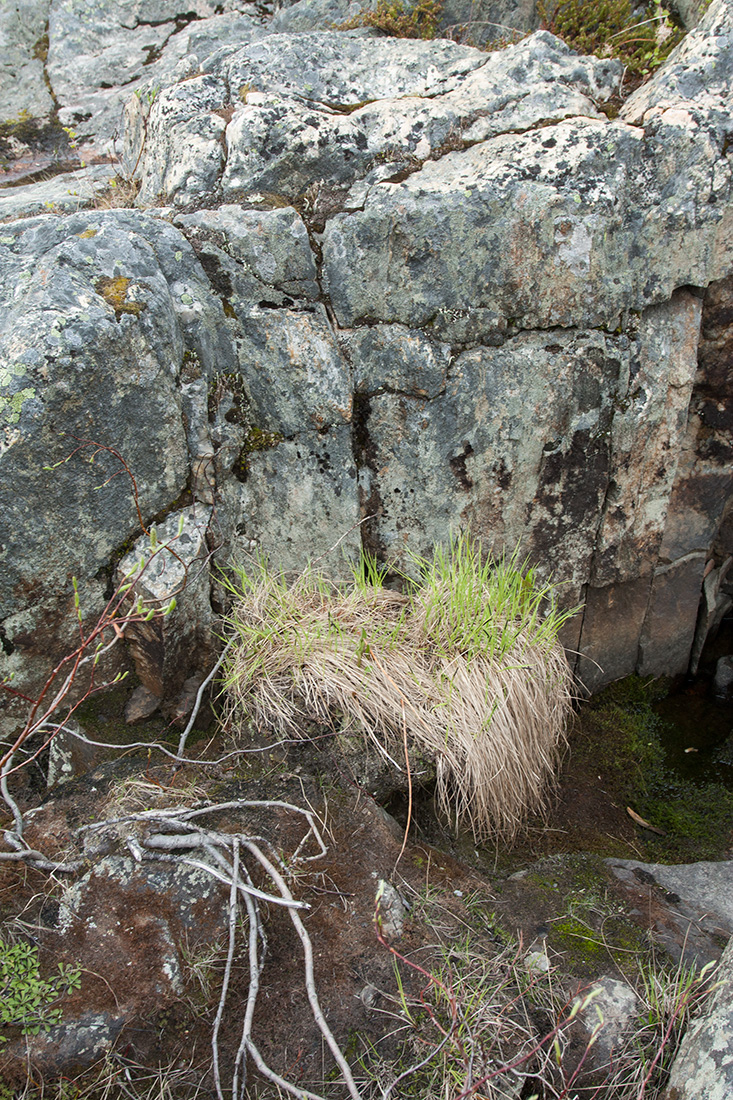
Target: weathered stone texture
(98,311)
(408,283)
(703,1068)
(22,88)
(171,563)
(305,107)
(298,500)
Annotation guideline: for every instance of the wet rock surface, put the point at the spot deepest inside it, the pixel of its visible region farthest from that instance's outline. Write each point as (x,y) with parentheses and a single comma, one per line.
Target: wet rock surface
(692,904)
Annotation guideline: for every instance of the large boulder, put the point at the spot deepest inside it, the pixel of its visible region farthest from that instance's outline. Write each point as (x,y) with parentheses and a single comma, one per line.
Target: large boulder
(100,52)
(99,314)
(127,391)
(295,109)
(398,287)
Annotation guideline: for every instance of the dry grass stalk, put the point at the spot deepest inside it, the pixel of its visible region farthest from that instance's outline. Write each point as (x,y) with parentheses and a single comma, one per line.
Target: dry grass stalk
(470,657)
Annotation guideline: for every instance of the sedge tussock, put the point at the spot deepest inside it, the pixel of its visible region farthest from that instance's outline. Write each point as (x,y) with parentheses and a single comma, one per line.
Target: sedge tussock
(466,662)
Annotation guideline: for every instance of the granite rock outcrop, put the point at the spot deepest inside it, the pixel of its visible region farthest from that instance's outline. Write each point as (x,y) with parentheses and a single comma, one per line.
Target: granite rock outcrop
(377,289)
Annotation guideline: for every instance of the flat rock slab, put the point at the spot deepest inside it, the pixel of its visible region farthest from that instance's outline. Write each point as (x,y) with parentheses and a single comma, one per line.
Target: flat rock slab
(289,110)
(690,904)
(65,193)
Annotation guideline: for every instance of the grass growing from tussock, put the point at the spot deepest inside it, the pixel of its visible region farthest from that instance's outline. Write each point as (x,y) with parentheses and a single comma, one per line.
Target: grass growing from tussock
(463,666)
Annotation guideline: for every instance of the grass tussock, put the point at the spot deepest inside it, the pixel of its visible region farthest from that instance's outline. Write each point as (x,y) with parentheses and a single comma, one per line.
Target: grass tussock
(464,666)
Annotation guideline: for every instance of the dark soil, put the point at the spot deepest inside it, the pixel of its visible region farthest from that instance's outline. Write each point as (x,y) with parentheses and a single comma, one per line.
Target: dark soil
(551,888)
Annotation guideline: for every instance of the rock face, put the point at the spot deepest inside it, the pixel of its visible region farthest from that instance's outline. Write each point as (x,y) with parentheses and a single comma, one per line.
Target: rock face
(689,905)
(703,1069)
(384,289)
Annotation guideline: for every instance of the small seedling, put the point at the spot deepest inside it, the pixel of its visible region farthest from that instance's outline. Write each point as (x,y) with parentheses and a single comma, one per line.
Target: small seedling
(27,1000)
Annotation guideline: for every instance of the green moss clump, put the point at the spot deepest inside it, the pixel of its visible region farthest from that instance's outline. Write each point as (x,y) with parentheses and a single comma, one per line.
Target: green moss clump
(585,948)
(400,20)
(614,28)
(624,737)
(259,440)
(697,818)
(255,440)
(40,48)
(114,292)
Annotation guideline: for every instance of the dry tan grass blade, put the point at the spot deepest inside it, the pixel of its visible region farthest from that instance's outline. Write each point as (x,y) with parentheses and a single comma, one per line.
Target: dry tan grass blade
(492,714)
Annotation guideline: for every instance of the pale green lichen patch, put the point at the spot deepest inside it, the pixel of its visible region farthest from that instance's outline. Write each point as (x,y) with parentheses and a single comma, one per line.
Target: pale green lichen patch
(11,404)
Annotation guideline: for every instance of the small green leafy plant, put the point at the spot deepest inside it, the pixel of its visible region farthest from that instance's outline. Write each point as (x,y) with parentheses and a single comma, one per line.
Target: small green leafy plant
(27,1000)
(614,28)
(400,20)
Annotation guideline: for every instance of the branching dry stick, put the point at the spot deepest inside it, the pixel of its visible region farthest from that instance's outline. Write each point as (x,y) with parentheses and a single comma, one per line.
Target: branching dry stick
(247,1045)
(158,746)
(233,892)
(310,984)
(199,696)
(168,847)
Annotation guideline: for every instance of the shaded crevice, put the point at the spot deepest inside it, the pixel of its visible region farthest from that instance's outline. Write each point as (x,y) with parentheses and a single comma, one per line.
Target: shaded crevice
(6,644)
(365,459)
(458,467)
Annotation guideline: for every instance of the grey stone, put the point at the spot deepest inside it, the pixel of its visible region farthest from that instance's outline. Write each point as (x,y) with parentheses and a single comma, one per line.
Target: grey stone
(271,244)
(293,371)
(485,21)
(517,448)
(703,1068)
(714,605)
(614,1006)
(346,69)
(142,704)
(171,563)
(22,87)
(692,904)
(692,91)
(648,432)
(669,627)
(302,108)
(65,193)
(86,358)
(90,1037)
(690,11)
(68,756)
(180,136)
(101,53)
(391,911)
(723,678)
(312,478)
(473,22)
(395,358)
(535,227)
(233,29)
(612,620)
(315,15)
